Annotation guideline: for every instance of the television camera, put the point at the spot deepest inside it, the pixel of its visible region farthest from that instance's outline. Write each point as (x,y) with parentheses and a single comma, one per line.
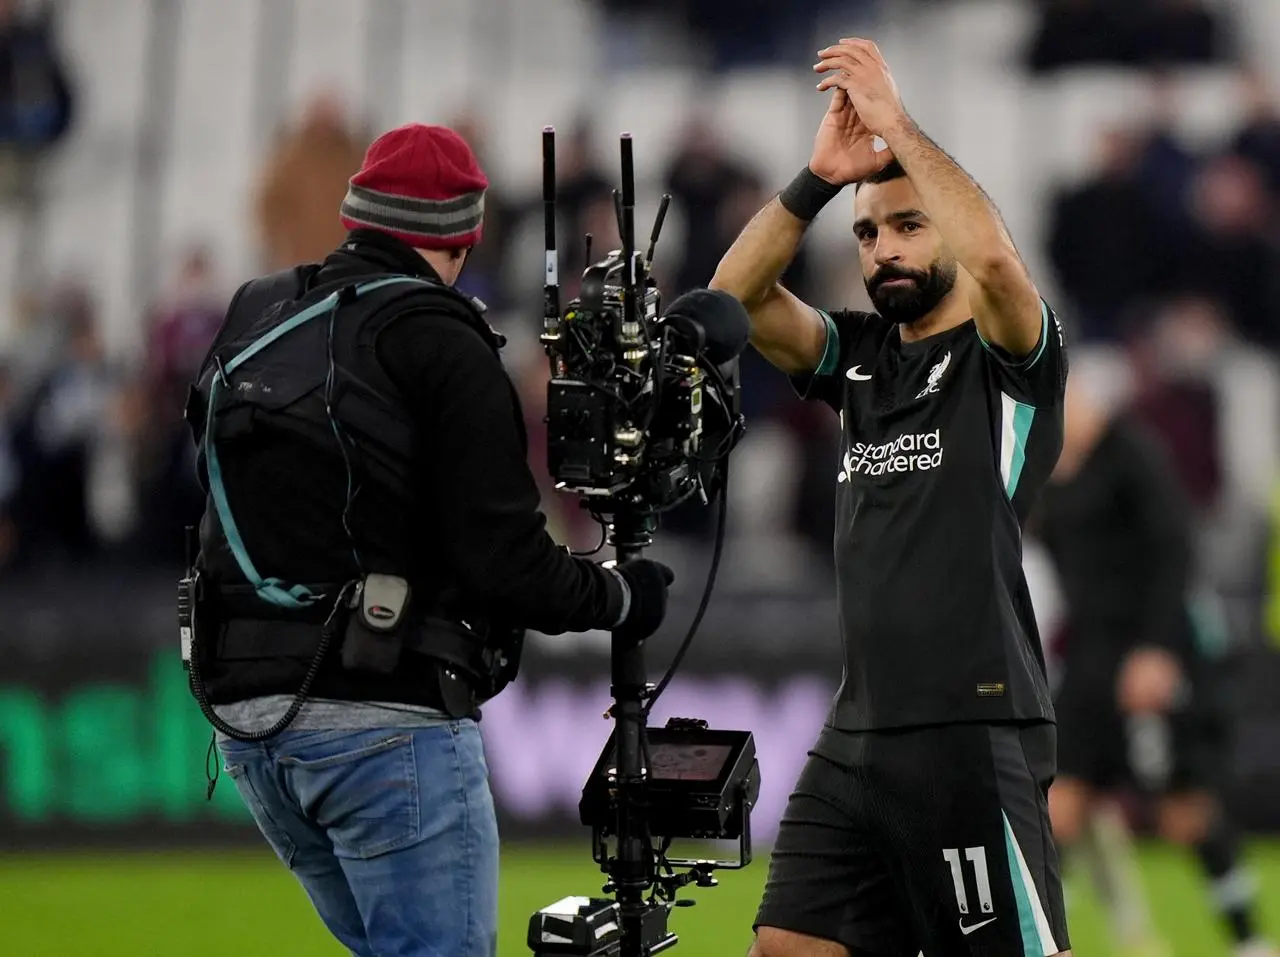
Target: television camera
(642,412)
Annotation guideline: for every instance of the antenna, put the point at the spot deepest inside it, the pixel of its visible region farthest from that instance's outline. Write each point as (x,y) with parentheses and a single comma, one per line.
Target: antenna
(657,227)
(551,283)
(627,230)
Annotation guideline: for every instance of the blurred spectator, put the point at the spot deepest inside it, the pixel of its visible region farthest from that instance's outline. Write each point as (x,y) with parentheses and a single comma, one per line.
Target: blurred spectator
(40,337)
(303,184)
(1175,367)
(36,101)
(1106,240)
(182,327)
(55,439)
(1136,33)
(485,275)
(703,180)
(1230,256)
(1165,169)
(1258,140)
(584,204)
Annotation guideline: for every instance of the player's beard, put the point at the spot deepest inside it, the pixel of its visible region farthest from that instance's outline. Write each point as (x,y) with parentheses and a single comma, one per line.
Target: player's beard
(906,304)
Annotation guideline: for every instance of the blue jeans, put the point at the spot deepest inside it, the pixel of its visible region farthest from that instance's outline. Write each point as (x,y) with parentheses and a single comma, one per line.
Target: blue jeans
(391,832)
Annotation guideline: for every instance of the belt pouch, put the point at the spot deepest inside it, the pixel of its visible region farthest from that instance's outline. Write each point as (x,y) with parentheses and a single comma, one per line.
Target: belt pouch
(375,632)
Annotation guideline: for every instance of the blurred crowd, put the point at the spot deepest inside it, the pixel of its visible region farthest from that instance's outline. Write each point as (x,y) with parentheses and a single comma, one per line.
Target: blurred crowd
(1158,220)
(1169,254)
(1166,253)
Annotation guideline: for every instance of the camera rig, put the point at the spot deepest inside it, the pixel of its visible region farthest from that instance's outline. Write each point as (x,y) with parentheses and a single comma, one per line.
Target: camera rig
(640,419)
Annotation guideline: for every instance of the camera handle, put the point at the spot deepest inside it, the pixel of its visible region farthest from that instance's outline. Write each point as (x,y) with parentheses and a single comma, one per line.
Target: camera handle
(631,873)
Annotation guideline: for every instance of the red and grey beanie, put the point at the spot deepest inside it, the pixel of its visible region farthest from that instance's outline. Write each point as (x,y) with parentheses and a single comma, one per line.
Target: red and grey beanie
(423,185)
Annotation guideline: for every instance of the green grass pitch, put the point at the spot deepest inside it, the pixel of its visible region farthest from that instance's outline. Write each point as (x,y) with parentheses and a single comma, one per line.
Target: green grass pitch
(245,904)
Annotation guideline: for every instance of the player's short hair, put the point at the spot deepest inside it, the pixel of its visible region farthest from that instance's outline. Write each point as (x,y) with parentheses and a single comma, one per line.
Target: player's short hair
(891,172)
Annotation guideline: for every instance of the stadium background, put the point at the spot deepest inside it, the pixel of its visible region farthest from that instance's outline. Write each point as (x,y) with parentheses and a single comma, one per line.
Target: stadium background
(155,153)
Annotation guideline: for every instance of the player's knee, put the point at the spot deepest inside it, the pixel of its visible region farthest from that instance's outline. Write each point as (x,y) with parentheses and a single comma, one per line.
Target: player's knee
(775,942)
(1186,818)
(1069,802)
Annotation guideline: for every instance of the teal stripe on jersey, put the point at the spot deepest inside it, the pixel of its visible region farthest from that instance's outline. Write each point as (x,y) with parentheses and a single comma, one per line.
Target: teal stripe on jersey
(1026,920)
(1015,425)
(1044,338)
(1037,936)
(831,353)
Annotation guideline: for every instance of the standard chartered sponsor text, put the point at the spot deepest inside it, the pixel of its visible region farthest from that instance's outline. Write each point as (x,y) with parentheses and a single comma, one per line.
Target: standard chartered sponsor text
(909,452)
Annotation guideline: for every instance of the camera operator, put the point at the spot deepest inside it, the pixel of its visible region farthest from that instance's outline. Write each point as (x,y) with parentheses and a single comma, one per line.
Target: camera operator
(372,549)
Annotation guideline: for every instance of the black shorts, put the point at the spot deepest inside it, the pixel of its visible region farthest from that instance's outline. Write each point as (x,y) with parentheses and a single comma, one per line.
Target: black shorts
(929,839)
(1098,745)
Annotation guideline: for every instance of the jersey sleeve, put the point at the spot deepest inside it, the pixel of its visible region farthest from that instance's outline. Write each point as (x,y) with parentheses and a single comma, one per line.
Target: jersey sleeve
(1040,379)
(826,383)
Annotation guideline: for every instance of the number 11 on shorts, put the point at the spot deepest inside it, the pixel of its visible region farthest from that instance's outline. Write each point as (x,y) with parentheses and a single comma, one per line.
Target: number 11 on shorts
(977,856)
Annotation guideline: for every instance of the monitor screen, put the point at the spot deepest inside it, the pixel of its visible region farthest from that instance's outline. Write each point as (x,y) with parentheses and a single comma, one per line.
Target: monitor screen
(688,762)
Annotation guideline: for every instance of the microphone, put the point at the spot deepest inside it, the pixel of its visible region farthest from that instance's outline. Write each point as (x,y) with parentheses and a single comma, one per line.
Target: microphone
(712,321)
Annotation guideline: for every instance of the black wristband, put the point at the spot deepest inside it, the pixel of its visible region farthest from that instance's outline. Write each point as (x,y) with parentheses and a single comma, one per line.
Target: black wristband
(805,196)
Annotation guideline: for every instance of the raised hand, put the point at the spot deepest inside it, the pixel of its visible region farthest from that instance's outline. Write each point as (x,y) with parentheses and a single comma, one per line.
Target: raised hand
(857,67)
(844,150)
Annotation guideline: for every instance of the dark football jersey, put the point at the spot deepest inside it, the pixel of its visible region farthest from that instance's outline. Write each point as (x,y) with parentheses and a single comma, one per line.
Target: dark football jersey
(946,442)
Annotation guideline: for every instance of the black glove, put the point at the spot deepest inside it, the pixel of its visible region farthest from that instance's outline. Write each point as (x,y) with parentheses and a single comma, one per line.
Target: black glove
(648,582)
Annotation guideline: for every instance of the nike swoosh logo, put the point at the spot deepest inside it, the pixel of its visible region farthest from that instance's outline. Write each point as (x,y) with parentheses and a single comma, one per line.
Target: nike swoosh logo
(972,927)
(853,374)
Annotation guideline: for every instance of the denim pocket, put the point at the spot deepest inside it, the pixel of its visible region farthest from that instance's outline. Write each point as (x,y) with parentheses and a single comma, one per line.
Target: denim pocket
(276,836)
(361,787)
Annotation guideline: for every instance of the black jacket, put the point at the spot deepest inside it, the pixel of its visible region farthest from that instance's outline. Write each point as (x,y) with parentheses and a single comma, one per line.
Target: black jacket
(470,537)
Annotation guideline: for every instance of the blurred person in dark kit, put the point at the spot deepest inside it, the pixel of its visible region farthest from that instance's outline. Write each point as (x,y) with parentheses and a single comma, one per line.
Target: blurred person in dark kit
(1140,703)
(360,439)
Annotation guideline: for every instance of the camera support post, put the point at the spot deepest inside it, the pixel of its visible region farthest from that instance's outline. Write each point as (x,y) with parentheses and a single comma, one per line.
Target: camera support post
(650,785)
(632,870)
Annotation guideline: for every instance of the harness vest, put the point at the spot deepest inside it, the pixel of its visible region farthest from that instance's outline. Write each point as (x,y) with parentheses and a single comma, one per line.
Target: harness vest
(273,370)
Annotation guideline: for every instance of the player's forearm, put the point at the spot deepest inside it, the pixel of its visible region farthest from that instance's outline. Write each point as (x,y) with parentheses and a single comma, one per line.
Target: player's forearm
(963,214)
(759,256)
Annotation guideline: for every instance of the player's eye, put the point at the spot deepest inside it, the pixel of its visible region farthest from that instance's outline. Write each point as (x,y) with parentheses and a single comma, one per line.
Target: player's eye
(910,227)
(865,235)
